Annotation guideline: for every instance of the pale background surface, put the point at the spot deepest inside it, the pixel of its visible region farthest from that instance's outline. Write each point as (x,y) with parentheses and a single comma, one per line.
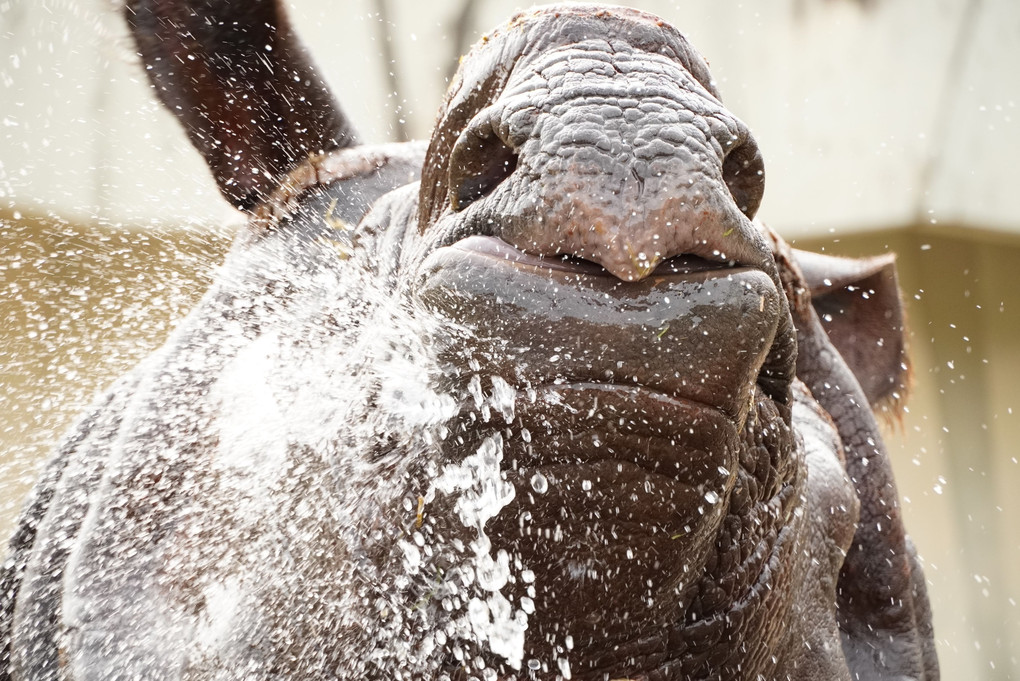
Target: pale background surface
(890,124)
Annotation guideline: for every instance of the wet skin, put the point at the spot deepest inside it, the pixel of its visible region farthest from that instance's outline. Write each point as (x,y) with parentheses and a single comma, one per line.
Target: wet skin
(691,483)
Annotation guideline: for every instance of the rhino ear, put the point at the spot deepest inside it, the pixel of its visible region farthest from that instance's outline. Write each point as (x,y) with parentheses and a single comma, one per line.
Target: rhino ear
(858,301)
(238,79)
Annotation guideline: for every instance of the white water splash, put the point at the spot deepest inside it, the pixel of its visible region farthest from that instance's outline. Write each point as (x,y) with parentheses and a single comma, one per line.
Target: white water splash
(481,493)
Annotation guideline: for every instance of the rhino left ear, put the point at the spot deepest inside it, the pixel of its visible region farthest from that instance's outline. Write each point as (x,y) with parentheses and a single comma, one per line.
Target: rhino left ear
(858,301)
(239,80)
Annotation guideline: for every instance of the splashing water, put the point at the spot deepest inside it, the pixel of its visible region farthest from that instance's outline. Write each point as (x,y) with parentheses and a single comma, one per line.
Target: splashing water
(279,476)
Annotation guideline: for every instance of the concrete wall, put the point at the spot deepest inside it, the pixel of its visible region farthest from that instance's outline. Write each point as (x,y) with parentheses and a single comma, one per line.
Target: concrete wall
(870,114)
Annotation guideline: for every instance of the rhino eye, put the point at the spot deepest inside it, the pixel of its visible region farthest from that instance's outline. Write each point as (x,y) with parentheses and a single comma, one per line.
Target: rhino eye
(480,161)
(744,173)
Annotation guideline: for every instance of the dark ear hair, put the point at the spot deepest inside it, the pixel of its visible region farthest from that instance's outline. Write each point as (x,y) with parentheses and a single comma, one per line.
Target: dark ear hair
(858,301)
(241,83)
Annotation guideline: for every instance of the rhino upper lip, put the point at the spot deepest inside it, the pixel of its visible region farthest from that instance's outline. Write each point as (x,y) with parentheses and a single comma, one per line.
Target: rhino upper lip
(569,290)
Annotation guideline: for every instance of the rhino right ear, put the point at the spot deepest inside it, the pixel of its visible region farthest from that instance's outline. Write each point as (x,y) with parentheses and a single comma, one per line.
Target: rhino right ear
(238,79)
(858,301)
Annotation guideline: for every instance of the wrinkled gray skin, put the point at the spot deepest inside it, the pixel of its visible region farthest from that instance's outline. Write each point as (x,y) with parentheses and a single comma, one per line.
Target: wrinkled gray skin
(403,436)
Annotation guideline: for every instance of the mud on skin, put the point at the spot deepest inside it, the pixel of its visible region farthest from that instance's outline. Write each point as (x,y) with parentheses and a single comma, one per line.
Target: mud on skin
(541,398)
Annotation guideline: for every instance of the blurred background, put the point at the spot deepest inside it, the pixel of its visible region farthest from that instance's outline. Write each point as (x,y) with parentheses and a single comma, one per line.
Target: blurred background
(885,125)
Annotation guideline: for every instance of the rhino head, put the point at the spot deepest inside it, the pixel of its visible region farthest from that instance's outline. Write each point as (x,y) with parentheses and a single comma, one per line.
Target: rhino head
(542,399)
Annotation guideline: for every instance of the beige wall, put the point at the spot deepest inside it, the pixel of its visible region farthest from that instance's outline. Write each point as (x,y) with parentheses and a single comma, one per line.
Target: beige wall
(870,114)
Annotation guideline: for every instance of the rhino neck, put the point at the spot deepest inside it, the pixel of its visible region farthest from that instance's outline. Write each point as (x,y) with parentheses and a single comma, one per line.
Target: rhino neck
(639,541)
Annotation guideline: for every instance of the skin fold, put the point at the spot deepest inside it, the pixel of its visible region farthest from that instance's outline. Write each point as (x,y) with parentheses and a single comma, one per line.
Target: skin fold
(540,398)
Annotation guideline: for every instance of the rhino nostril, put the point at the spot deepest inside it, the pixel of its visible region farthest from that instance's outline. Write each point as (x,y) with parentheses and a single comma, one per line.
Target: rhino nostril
(480,161)
(744,173)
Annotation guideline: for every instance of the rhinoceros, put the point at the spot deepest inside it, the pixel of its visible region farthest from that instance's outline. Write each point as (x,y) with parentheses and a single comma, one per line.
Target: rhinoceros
(541,398)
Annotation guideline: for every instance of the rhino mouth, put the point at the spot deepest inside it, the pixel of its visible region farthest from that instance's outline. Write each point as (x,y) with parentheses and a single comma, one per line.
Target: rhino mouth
(623,408)
(498,249)
(693,330)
